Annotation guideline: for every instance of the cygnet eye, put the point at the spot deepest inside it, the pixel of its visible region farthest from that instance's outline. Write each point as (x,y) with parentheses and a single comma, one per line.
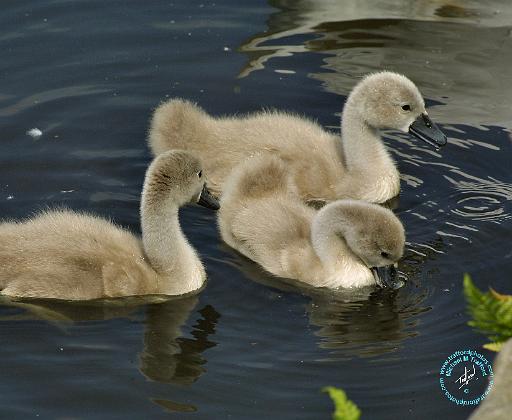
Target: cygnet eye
(406,107)
(200,174)
(384,255)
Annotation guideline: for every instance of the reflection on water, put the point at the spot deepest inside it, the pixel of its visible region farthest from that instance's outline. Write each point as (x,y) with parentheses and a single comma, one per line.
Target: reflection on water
(167,356)
(173,406)
(432,42)
(466,187)
(352,323)
(368,327)
(418,253)
(64,313)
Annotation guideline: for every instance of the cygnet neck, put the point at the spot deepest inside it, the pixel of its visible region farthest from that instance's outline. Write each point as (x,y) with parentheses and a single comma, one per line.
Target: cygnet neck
(167,248)
(371,169)
(342,267)
(327,233)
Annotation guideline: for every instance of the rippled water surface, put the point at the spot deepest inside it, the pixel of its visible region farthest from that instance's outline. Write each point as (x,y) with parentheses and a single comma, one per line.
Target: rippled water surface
(88,74)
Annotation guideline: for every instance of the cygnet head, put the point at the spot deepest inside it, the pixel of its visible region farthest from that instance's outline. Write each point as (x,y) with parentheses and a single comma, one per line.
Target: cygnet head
(388,100)
(373,233)
(177,176)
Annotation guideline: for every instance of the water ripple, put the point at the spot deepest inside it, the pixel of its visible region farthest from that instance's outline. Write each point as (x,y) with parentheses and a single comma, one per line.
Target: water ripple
(481,199)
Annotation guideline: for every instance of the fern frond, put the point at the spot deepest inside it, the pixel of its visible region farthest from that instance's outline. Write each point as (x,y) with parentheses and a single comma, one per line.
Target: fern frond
(344,409)
(493,346)
(491,312)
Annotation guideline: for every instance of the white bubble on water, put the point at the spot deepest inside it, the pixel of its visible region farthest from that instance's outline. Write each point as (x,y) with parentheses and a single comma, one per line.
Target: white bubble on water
(35,133)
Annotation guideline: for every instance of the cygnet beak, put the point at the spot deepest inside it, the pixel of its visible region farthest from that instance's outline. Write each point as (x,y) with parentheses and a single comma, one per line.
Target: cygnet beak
(387,276)
(425,129)
(206,199)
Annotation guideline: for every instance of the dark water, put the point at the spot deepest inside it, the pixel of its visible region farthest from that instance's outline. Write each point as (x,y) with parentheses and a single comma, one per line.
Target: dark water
(89,73)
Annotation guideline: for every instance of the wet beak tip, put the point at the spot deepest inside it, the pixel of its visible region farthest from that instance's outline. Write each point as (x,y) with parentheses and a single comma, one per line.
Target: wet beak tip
(424,129)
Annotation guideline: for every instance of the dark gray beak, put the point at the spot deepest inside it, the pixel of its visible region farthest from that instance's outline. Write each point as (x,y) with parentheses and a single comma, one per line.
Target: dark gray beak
(387,277)
(206,199)
(425,129)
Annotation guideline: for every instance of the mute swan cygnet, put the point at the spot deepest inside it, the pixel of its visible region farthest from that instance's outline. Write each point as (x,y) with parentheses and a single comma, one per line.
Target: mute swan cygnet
(347,243)
(65,255)
(324,166)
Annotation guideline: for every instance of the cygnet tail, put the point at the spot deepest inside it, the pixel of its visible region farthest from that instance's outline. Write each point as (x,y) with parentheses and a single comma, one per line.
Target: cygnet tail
(177,124)
(260,177)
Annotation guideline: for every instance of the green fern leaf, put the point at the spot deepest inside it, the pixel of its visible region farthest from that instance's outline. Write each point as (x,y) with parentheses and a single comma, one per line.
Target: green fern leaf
(493,346)
(344,408)
(491,312)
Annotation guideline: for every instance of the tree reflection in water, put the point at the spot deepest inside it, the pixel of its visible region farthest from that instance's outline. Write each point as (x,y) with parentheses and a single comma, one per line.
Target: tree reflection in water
(433,42)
